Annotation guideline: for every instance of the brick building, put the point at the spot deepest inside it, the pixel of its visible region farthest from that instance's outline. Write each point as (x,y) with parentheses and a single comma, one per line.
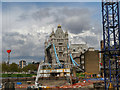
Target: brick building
(90,61)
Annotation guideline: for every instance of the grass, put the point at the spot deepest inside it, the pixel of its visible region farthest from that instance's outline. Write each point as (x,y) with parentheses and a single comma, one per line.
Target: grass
(17,75)
(79,74)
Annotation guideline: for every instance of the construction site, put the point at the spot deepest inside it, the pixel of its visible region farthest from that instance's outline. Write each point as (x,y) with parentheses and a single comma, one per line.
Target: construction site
(69,65)
(64,60)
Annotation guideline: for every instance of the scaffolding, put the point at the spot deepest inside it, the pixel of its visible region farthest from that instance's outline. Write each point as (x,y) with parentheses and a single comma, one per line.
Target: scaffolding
(111,39)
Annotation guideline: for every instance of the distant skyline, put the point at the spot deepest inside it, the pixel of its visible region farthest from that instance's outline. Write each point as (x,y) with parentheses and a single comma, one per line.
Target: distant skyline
(26,25)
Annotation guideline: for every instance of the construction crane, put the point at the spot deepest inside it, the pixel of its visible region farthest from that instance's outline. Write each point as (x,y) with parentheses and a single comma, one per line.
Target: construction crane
(111,39)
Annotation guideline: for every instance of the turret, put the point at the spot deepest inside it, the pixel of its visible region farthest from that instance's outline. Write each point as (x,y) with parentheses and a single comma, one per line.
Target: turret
(66,34)
(59,26)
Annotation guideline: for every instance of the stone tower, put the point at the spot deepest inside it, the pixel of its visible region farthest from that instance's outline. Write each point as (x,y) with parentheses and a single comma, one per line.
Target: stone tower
(60,39)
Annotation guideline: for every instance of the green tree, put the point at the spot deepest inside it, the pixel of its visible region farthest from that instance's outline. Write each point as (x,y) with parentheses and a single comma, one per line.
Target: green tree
(19,69)
(31,67)
(5,67)
(13,67)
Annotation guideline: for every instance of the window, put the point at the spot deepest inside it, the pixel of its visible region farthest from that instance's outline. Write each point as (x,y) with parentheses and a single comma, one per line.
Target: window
(82,62)
(74,50)
(82,56)
(84,49)
(58,40)
(83,67)
(60,54)
(60,43)
(60,48)
(66,35)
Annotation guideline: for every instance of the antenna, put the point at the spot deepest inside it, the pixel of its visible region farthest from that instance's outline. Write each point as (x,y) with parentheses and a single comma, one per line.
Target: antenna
(8,51)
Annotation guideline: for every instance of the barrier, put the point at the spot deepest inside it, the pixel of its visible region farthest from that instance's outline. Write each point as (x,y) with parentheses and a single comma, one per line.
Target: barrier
(19,83)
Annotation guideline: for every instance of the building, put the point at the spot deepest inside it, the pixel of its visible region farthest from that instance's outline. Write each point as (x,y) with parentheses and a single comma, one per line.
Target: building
(22,63)
(77,50)
(90,61)
(58,51)
(60,40)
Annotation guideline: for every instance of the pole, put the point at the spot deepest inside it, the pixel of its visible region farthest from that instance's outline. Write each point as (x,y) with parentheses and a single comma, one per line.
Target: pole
(8,58)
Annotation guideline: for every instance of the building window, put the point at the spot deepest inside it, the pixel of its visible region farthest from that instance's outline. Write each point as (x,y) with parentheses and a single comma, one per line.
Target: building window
(74,50)
(84,50)
(60,48)
(82,56)
(83,67)
(60,54)
(82,62)
(66,35)
(60,43)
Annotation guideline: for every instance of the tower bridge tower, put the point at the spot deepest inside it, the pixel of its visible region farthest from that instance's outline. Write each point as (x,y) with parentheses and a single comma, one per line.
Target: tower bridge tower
(60,40)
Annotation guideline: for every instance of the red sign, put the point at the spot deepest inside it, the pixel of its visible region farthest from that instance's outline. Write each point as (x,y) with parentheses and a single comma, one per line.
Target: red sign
(101,64)
(8,51)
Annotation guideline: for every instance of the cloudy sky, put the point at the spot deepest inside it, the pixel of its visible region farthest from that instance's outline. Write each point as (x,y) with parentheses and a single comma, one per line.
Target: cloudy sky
(26,25)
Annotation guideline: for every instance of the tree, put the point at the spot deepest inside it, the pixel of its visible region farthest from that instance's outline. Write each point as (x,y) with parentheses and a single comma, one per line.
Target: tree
(31,67)
(5,67)
(13,67)
(19,69)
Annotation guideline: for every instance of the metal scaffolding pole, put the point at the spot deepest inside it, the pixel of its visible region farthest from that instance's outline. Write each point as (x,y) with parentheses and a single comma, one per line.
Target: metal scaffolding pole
(111,39)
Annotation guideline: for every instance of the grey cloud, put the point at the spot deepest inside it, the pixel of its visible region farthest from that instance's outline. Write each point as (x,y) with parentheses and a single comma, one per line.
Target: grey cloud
(11,39)
(24,16)
(41,14)
(75,20)
(23,46)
